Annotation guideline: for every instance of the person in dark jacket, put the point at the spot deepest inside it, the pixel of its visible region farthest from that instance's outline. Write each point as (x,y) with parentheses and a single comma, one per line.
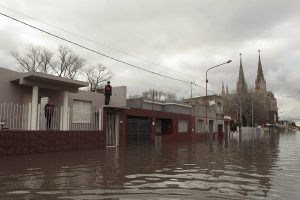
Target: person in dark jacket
(107,92)
(49,110)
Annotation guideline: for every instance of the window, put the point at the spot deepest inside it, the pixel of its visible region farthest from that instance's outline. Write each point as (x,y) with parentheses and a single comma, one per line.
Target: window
(200,126)
(182,126)
(81,111)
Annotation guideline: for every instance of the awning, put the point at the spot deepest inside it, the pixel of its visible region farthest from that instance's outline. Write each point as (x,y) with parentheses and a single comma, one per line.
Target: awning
(48,81)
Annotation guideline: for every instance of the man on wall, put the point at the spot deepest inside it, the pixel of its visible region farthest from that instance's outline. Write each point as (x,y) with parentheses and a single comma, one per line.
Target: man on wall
(107,92)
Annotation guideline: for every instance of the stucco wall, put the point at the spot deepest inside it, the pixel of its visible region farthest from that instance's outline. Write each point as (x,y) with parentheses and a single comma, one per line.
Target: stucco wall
(11,93)
(118,98)
(178,109)
(159,106)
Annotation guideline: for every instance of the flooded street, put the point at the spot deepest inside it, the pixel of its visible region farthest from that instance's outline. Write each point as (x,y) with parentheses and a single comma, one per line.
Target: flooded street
(263,167)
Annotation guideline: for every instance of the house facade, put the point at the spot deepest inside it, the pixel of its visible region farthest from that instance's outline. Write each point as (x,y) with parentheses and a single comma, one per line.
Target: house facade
(24,95)
(213,121)
(152,120)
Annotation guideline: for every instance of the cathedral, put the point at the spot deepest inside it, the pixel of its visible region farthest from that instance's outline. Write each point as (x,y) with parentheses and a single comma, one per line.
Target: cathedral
(251,106)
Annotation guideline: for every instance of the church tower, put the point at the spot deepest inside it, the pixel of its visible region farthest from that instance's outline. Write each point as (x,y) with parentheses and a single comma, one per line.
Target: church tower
(223,94)
(260,82)
(241,83)
(227,91)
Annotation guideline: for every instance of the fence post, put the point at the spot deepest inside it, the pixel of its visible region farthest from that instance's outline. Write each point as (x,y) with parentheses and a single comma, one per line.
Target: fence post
(29,117)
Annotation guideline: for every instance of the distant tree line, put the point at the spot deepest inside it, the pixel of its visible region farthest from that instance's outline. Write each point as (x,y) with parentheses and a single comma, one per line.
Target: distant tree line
(156,95)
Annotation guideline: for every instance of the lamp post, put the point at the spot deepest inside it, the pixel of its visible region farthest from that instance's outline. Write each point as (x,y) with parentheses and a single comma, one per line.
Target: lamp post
(206,98)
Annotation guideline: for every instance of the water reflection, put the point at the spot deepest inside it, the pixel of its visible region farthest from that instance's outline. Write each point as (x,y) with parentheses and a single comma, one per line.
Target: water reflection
(256,167)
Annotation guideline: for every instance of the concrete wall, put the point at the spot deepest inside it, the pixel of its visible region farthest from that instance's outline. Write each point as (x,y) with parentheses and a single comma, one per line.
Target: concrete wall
(27,142)
(178,109)
(118,98)
(150,105)
(159,106)
(135,103)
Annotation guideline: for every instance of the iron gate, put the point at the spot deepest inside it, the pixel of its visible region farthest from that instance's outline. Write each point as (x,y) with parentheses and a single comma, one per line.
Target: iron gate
(138,130)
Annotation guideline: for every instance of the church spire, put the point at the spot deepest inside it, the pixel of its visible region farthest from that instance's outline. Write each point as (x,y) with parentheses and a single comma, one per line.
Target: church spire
(260,83)
(223,94)
(227,91)
(241,84)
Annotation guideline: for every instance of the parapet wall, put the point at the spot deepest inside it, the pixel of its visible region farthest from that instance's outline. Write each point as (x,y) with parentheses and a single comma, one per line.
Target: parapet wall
(27,142)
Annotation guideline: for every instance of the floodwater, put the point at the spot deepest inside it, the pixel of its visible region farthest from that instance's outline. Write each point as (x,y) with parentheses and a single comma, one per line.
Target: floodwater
(261,167)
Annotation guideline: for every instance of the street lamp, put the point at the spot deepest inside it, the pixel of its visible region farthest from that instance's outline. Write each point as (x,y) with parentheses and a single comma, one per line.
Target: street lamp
(206,98)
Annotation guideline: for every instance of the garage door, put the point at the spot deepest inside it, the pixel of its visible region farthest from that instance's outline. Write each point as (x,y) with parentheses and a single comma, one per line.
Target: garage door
(138,130)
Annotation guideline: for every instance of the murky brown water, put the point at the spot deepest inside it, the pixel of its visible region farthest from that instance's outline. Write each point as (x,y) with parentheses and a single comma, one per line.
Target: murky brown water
(264,167)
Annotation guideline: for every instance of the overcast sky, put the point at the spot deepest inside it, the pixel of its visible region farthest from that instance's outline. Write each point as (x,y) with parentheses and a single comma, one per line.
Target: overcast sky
(176,38)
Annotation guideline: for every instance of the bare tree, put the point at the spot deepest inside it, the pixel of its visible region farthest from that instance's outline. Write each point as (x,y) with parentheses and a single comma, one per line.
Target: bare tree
(65,64)
(68,63)
(34,59)
(97,76)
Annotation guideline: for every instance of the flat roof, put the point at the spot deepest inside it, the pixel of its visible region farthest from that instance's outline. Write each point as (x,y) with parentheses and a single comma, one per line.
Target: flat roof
(48,81)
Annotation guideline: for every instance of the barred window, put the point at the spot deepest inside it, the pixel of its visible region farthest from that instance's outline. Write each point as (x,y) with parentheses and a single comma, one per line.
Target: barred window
(200,126)
(81,111)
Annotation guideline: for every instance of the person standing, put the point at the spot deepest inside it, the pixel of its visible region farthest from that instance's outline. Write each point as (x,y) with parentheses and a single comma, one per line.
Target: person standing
(107,92)
(49,110)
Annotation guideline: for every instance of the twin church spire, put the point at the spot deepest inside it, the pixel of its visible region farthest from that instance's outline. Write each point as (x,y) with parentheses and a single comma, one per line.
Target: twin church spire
(260,82)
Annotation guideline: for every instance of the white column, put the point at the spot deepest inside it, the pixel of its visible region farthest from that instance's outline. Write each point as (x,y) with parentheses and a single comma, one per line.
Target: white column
(100,119)
(34,108)
(65,125)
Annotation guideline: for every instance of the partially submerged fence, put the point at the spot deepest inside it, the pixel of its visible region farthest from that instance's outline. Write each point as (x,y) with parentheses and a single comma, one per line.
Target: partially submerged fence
(14,116)
(17,117)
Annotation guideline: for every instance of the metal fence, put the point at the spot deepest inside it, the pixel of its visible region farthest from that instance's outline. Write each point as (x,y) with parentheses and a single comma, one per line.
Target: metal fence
(55,123)
(14,116)
(17,117)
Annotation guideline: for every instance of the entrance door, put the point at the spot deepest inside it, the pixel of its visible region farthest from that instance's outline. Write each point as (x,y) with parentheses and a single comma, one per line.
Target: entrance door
(211,126)
(112,130)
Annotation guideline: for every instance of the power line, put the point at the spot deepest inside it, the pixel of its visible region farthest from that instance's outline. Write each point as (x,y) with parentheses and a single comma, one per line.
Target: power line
(94,51)
(94,41)
(104,55)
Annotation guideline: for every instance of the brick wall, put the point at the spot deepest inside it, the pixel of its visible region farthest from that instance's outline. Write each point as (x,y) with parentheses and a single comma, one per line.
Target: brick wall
(27,142)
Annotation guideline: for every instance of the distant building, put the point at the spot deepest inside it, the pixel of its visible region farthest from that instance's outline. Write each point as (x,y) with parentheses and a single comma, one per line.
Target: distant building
(215,115)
